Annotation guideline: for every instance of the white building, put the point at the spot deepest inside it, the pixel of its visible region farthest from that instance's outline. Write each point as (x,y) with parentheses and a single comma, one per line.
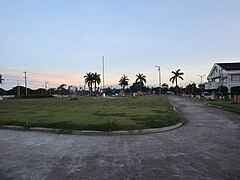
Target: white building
(224,74)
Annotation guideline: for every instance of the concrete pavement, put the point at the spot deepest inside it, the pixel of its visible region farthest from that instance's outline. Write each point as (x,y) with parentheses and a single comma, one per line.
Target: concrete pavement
(207,146)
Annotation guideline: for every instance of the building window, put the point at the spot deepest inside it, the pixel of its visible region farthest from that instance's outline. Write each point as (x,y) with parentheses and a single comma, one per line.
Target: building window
(216,80)
(235,77)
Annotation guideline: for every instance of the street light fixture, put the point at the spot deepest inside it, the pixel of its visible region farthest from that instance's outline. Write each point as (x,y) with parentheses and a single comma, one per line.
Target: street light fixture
(159,80)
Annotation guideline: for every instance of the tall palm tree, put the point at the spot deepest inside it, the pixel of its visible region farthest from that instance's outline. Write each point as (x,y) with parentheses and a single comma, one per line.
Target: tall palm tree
(89,81)
(123,81)
(96,80)
(175,77)
(1,79)
(141,79)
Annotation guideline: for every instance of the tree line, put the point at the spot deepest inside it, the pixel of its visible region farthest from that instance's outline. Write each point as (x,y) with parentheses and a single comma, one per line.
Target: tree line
(93,81)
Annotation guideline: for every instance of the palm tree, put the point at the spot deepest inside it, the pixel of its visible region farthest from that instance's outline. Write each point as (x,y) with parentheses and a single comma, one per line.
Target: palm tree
(123,81)
(177,75)
(96,80)
(141,79)
(1,79)
(89,81)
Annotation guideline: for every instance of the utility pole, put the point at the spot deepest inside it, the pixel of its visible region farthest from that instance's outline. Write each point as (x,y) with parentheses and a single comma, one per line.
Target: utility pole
(84,88)
(18,92)
(25,77)
(103,72)
(46,85)
(201,83)
(159,80)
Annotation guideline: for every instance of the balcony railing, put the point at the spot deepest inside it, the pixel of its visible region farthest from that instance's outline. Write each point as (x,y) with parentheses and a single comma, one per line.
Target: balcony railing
(212,85)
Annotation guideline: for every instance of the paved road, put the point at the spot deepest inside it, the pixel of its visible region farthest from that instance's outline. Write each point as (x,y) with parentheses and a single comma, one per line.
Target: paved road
(206,147)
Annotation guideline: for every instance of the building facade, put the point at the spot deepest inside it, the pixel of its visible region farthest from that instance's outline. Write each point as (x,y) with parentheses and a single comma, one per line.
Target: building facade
(224,75)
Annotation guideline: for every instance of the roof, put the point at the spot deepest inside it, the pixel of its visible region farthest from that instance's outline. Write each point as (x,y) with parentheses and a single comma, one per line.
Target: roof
(230,66)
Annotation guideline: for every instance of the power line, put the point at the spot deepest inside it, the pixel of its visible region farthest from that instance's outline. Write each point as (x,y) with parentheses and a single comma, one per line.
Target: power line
(11,79)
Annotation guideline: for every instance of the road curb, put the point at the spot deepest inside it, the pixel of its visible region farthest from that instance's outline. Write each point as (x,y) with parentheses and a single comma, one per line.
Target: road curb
(220,107)
(89,132)
(75,132)
(174,108)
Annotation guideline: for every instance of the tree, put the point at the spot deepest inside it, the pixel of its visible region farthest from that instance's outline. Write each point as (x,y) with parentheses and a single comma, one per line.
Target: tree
(134,87)
(141,79)
(177,75)
(188,89)
(108,91)
(123,82)
(1,79)
(61,88)
(89,81)
(96,80)
(72,89)
(164,88)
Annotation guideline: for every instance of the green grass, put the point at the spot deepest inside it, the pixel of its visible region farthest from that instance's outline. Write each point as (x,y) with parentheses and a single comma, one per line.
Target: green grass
(227,104)
(100,114)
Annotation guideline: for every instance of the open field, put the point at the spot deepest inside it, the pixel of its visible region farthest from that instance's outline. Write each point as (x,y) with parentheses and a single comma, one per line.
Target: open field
(227,104)
(100,114)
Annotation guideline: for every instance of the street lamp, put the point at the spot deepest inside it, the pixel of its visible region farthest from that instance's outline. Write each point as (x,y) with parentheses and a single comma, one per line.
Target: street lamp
(103,76)
(159,80)
(201,83)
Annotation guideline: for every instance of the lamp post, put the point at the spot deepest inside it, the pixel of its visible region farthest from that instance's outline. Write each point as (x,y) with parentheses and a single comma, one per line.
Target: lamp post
(25,77)
(201,83)
(159,80)
(103,75)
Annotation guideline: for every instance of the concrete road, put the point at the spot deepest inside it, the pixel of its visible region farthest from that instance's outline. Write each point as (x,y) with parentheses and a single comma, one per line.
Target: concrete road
(206,147)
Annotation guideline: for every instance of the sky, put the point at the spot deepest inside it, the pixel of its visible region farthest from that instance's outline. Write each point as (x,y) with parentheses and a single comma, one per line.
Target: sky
(59,41)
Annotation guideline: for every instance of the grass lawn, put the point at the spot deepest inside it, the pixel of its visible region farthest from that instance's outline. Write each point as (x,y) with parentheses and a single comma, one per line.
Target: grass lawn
(228,104)
(100,114)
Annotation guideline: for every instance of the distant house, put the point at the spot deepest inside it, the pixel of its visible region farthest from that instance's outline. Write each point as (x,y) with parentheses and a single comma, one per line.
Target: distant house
(224,75)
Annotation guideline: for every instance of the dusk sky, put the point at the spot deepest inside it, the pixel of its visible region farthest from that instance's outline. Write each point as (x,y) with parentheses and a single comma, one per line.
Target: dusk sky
(59,41)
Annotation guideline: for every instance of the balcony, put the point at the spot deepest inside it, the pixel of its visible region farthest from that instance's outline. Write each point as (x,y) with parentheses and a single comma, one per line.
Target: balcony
(212,85)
